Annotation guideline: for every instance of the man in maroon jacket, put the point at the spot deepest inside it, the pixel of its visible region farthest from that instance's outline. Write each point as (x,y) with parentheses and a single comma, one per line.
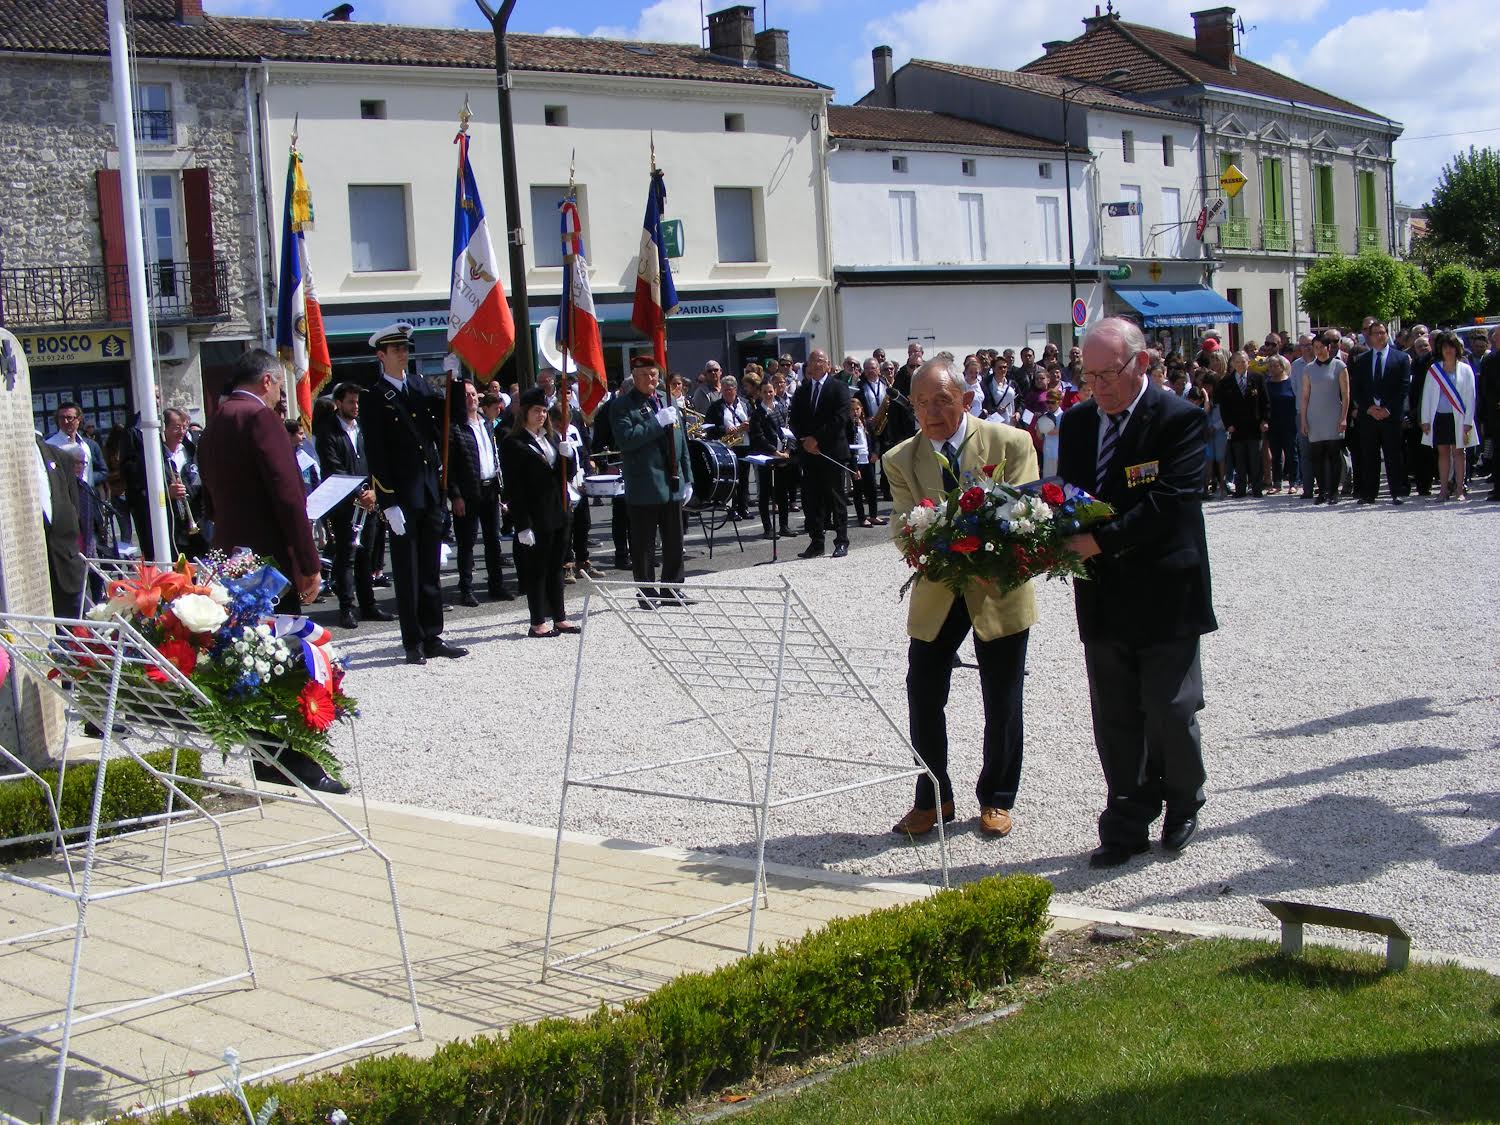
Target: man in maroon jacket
(253,481)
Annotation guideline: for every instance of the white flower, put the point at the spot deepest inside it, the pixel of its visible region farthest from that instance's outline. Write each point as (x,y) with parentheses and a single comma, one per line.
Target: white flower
(198,613)
(263,667)
(1040,510)
(1022,526)
(1017,509)
(218,593)
(263,630)
(921,518)
(989,546)
(101,611)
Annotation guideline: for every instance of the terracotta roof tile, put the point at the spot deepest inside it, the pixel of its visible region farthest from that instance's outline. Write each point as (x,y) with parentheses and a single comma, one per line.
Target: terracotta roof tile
(1051,87)
(78,27)
(878,123)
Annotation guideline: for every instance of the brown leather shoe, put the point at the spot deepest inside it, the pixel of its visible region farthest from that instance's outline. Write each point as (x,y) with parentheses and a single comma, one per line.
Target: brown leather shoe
(994,822)
(919,822)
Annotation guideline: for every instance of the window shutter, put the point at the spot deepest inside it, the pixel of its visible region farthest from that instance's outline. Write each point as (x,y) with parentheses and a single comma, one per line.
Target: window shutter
(198,219)
(112,240)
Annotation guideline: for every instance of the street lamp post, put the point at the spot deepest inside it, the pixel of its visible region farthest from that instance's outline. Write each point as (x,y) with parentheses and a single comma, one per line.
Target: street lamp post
(1083,84)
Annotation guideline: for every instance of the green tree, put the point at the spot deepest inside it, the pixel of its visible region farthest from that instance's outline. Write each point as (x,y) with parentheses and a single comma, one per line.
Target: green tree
(1457,294)
(1491,292)
(1343,291)
(1464,214)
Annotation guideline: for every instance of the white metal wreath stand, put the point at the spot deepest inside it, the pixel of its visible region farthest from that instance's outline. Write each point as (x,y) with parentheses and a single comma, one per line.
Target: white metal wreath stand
(89,660)
(738,644)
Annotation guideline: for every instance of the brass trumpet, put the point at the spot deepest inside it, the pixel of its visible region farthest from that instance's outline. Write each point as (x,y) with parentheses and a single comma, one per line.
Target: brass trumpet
(182,510)
(695,423)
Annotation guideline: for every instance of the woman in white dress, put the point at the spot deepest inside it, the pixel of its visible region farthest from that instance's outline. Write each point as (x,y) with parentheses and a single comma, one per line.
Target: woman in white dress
(1448,401)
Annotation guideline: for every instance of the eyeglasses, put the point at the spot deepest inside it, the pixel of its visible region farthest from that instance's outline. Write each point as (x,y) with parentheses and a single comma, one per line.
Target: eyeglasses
(1105,378)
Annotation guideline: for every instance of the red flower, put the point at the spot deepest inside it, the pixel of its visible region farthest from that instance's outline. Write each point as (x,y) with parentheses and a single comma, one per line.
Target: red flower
(316,704)
(965,546)
(1052,494)
(926,503)
(989,470)
(180,654)
(972,500)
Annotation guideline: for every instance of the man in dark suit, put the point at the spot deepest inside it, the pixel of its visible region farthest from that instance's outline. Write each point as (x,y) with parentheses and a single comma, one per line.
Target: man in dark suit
(820,422)
(474,490)
(341,451)
(402,423)
(1246,413)
(654,462)
(1380,384)
(1148,601)
(253,483)
(57,484)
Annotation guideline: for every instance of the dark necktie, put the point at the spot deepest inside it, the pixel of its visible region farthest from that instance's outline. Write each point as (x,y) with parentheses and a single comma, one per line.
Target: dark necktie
(1107,448)
(812,399)
(1379,365)
(950,470)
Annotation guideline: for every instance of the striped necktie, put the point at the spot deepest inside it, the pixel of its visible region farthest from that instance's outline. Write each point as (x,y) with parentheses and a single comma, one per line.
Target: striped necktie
(1107,448)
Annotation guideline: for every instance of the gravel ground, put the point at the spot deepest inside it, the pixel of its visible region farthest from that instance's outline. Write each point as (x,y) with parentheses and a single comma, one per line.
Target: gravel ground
(1350,735)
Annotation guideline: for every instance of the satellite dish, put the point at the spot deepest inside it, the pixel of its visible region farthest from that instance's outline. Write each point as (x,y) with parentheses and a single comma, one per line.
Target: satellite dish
(546,334)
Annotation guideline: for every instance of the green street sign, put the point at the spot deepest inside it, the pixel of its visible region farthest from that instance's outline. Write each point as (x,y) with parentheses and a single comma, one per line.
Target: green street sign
(671,237)
(1120,272)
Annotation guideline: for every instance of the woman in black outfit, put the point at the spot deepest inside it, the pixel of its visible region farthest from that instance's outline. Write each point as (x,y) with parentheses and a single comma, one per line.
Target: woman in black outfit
(766,438)
(534,492)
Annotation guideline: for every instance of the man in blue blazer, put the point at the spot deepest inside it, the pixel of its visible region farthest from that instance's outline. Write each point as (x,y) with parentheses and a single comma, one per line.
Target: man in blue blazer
(1380,385)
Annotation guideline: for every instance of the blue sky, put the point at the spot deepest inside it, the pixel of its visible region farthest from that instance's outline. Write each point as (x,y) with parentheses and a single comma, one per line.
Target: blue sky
(1429,65)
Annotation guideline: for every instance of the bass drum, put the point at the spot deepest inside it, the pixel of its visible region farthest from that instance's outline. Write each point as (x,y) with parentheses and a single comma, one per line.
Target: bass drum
(715,474)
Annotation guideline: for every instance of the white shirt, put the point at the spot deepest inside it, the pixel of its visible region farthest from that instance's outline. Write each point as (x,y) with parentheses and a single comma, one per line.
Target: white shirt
(178,457)
(1104,420)
(351,431)
(976,405)
(399,384)
(544,447)
(484,441)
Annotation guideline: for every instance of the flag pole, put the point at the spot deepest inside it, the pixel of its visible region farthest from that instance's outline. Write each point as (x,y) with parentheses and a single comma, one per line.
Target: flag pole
(672,468)
(463,132)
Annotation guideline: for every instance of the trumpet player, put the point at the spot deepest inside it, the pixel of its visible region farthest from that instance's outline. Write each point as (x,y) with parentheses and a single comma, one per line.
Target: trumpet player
(183,485)
(341,449)
(874,393)
(728,420)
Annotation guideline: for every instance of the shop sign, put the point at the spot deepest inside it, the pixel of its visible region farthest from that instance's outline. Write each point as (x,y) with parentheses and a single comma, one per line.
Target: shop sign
(56,349)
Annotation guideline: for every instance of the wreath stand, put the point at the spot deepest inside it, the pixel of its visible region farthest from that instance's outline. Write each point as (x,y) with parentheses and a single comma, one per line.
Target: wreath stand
(728,647)
(101,669)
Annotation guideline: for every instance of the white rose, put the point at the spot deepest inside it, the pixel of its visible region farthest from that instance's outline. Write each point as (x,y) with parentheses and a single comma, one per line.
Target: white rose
(263,630)
(263,667)
(101,611)
(921,518)
(1022,526)
(1017,510)
(218,593)
(198,613)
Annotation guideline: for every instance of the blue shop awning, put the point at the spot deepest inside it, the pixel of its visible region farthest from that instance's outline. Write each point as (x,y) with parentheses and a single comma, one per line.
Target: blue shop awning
(1178,306)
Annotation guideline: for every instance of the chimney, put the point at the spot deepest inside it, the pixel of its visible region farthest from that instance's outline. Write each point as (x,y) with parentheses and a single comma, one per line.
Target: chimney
(773,49)
(1213,36)
(1099,19)
(731,34)
(1053,44)
(884,93)
(190,12)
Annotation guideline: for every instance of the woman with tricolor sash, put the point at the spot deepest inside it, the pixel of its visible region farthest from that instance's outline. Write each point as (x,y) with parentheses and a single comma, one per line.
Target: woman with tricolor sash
(1448,402)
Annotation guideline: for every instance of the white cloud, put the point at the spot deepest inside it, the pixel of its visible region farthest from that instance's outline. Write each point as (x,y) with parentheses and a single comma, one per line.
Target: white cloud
(665,21)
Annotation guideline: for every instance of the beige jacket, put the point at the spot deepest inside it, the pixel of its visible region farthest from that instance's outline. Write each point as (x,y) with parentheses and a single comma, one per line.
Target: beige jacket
(914,472)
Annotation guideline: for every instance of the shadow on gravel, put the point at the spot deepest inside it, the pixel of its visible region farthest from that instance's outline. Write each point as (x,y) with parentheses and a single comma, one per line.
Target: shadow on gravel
(1397,758)
(1481,857)
(1397,711)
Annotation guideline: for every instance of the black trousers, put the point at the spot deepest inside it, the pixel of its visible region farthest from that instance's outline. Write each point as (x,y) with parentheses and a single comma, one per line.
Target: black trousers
(1244,458)
(865,506)
(580,522)
(539,571)
(1002,672)
(416,576)
(1146,701)
(1377,440)
(619,527)
(1421,460)
(1326,468)
(823,499)
(646,520)
(481,517)
(775,480)
(351,560)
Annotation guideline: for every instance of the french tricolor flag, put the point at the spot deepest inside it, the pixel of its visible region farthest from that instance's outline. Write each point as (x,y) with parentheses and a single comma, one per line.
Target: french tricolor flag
(577,322)
(481,331)
(655,295)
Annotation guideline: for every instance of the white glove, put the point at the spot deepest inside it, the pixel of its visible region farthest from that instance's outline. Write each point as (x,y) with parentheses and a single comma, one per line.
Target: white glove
(526,538)
(666,416)
(567,447)
(687,493)
(396,518)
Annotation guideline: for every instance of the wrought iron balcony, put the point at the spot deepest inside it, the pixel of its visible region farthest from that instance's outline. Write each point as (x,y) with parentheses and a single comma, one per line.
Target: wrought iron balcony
(154,126)
(1234,233)
(1276,234)
(99,296)
(1367,238)
(1325,238)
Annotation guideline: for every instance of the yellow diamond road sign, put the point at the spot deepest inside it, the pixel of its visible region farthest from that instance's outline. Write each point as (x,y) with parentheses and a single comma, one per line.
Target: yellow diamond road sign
(1232,180)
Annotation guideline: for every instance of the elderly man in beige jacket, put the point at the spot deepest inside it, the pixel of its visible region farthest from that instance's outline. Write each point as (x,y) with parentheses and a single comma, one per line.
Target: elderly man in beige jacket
(937,621)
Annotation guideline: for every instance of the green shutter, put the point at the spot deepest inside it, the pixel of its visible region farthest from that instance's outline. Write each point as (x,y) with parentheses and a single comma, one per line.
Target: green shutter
(1367,200)
(1272,199)
(1327,213)
(1237,204)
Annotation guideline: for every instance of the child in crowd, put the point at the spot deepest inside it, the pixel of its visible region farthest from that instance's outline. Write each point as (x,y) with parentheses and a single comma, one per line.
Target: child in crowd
(866,509)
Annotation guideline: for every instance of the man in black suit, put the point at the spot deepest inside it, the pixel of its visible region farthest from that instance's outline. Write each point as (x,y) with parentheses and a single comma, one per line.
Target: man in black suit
(341,450)
(820,422)
(1148,601)
(1380,384)
(401,428)
(474,490)
(1246,413)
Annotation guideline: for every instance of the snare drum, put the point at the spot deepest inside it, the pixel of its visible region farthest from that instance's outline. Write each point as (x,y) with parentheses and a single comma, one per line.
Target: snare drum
(606,486)
(715,473)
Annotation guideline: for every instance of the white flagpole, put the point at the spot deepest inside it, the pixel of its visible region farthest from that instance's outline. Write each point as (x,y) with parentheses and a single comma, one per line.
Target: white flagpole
(143,346)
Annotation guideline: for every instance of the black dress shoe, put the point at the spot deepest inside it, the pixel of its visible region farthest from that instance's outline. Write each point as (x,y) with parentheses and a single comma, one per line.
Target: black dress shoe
(414,656)
(375,613)
(1397,500)
(645,603)
(326,784)
(443,649)
(811,551)
(1175,837)
(347,619)
(622,562)
(502,595)
(841,551)
(1113,855)
(381,581)
(468,600)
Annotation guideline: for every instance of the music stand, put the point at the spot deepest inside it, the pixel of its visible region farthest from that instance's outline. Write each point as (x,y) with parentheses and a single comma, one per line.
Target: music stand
(115,678)
(756,645)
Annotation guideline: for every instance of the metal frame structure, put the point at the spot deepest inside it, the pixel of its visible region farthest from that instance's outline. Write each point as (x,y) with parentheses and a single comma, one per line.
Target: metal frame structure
(111,675)
(742,644)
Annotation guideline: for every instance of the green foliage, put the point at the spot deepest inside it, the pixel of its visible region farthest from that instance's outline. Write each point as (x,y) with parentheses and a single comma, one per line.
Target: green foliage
(854,976)
(1343,291)
(1464,215)
(1457,295)
(129,791)
(1491,280)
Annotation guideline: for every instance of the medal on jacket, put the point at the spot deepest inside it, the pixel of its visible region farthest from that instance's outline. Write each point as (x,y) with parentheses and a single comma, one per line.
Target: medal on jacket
(1144,473)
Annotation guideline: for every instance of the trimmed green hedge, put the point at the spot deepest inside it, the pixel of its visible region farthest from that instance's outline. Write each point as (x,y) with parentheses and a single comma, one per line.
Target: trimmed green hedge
(697,1033)
(129,791)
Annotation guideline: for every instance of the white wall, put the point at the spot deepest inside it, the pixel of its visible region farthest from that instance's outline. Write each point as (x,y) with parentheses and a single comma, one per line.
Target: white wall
(1150,175)
(958,318)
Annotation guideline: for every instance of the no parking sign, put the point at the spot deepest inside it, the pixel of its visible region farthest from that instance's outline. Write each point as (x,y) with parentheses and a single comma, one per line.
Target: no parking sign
(1080,313)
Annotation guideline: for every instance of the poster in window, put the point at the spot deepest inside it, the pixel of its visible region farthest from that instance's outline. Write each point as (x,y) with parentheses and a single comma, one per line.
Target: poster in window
(86,400)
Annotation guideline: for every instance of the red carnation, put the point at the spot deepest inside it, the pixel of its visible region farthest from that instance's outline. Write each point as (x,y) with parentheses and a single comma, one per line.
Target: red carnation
(315,702)
(1052,494)
(972,500)
(926,503)
(180,654)
(989,470)
(965,546)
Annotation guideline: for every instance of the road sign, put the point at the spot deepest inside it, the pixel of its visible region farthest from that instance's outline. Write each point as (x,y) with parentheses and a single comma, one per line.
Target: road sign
(1201,225)
(671,237)
(1232,180)
(1120,272)
(1080,312)
(1121,210)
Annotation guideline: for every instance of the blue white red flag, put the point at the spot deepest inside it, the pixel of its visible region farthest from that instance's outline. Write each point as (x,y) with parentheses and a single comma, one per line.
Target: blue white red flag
(655,295)
(577,322)
(300,341)
(481,330)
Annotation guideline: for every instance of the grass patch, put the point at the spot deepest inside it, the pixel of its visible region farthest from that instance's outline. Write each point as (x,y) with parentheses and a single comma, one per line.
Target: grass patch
(1216,1030)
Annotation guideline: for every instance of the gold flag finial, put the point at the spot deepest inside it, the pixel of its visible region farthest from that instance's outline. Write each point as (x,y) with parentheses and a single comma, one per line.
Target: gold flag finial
(296,122)
(653,150)
(573,174)
(464,116)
